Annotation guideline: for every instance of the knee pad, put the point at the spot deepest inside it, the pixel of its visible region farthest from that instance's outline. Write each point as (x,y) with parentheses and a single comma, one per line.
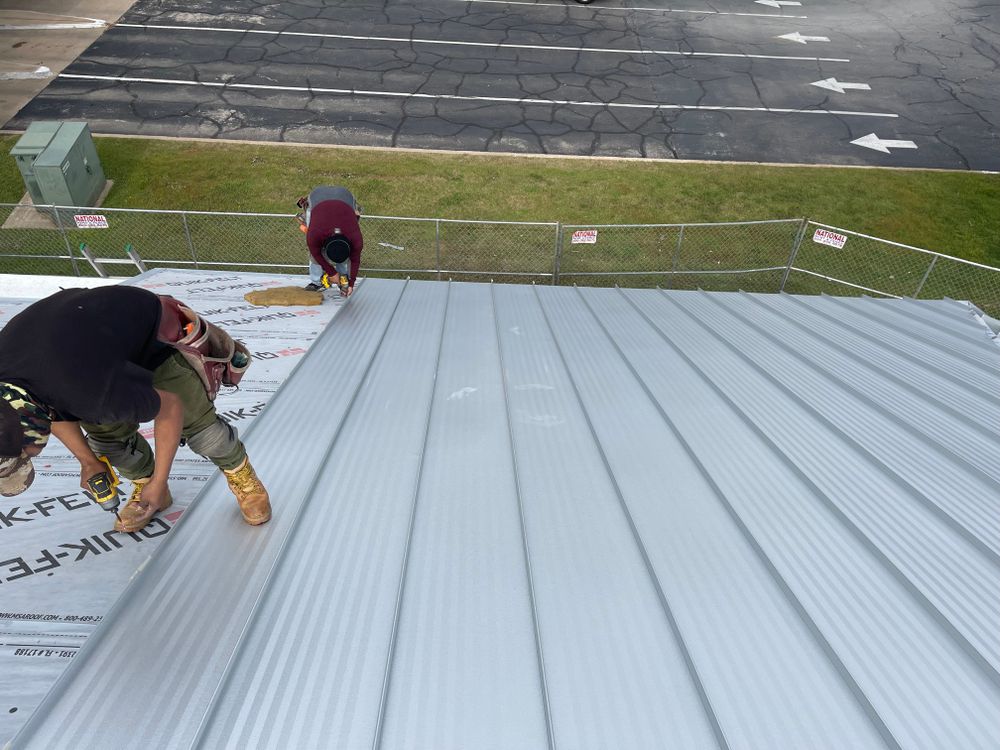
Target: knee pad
(215,441)
(129,456)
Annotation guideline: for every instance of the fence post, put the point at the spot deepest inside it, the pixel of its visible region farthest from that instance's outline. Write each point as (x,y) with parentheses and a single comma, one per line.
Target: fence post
(795,251)
(437,247)
(69,249)
(187,235)
(924,279)
(558,257)
(677,257)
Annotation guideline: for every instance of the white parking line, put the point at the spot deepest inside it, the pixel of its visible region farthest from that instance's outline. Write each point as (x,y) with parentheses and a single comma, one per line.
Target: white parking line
(490,45)
(651,10)
(456,97)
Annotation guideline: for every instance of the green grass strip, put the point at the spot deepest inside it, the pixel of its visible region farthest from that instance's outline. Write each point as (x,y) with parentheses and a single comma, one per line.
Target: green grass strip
(950,212)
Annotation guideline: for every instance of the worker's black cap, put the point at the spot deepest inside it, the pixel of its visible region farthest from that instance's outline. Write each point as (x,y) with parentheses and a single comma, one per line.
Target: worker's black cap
(337,248)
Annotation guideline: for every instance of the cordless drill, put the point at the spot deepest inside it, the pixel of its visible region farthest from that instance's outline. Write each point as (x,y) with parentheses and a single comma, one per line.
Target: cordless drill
(104,487)
(342,283)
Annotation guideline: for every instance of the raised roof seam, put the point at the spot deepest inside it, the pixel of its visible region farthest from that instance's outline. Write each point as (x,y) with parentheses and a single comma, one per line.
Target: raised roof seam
(539,653)
(692,669)
(953,523)
(404,566)
(928,341)
(991,671)
(779,580)
(897,350)
(976,656)
(280,556)
(922,364)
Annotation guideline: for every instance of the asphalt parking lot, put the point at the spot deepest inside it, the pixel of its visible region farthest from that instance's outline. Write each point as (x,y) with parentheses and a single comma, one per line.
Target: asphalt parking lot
(896,83)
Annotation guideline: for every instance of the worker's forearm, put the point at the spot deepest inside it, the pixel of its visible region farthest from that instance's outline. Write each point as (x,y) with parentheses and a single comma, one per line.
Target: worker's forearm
(167,432)
(71,435)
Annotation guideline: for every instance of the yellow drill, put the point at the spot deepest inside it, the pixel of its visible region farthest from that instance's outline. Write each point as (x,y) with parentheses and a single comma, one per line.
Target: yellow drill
(104,487)
(342,283)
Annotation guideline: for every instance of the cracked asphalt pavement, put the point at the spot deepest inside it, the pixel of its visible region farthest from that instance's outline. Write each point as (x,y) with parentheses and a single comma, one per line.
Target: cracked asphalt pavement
(918,81)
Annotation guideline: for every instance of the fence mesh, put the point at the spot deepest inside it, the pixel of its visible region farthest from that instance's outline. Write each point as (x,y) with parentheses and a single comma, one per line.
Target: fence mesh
(28,250)
(964,281)
(762,256)
(397,247)
(869,264)
(254,242)
(508,252)
(751,255)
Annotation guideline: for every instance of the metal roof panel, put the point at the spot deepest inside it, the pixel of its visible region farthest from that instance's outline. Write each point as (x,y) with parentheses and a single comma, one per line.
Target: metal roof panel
(514,516)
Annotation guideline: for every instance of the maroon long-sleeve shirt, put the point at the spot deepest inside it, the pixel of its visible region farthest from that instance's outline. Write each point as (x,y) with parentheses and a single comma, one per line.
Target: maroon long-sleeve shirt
(324,218)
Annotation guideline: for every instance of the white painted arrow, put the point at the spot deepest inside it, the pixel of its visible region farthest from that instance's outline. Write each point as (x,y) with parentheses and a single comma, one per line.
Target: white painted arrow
(797,37)
(840,86)
(777,3)
(875,143)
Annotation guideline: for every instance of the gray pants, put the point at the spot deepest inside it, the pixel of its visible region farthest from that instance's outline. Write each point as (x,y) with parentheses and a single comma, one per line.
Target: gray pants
(327,193)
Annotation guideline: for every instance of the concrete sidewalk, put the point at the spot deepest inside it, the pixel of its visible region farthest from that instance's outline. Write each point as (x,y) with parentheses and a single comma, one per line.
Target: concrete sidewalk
(31,57)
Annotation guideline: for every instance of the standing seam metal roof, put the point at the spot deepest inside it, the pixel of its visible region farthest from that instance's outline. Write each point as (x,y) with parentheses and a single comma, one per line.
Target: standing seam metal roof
(514,517)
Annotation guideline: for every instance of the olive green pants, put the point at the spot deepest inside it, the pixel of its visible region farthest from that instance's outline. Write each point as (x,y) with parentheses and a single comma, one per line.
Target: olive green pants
(206,433)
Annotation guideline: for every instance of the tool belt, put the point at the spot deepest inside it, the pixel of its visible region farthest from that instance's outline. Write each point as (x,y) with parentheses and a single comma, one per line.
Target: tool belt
(206,347)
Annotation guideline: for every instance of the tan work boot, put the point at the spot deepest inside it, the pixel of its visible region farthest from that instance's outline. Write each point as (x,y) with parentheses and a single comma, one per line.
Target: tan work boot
(250,493)
(137,512)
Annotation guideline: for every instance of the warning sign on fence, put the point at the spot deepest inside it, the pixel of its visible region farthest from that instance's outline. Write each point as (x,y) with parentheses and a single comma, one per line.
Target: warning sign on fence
(826,237)
(584,237)
(90,221)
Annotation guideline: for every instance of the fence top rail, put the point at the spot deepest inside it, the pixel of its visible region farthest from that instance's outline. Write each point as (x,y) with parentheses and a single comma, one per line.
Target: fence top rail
(174,211)
(552,224)
(905,247)
(683,224)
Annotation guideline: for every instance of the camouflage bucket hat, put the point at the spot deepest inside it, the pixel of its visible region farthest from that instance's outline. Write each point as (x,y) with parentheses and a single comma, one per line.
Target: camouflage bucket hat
(23,423)
(16,475)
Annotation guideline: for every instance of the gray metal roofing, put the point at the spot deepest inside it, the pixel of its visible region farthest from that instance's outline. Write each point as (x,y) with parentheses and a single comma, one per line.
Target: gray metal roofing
(529,517)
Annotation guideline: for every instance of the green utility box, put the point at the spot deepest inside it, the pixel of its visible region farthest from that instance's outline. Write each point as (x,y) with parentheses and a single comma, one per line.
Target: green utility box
(66,171)
(28,148)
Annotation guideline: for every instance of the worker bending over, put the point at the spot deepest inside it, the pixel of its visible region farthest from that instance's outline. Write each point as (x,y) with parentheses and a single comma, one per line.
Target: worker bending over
(333,235)
(100,361)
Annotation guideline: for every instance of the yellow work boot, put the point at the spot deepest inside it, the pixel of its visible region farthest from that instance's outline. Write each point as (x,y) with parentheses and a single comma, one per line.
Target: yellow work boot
(137,512)
(250,493)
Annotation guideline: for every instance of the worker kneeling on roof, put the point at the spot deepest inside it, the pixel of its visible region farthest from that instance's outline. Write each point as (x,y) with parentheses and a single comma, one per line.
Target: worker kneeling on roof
(100,361)
(333,234)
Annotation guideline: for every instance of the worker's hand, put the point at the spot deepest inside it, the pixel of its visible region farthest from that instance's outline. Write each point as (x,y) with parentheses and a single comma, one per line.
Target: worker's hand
(154,494)
(89,468)
(346,291)
(302,202)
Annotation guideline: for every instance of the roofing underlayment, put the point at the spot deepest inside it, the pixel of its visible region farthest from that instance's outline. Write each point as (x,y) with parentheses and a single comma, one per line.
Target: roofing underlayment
(546,517)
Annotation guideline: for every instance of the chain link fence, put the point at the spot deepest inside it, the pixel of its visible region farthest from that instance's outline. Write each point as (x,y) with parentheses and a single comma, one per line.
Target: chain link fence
(750,255)
(792,255)
(838,261)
